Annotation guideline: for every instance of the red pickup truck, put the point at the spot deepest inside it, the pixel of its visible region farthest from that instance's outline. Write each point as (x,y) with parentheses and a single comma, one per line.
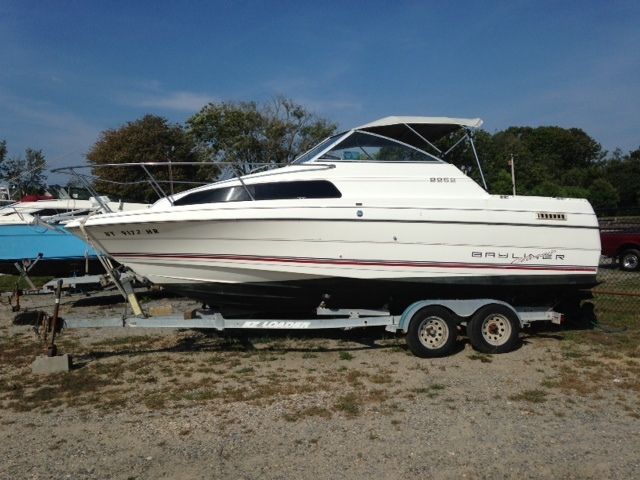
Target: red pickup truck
(623,246)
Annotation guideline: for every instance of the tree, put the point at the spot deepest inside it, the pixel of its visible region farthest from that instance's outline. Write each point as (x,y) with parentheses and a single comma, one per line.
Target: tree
(24,175)
(603,196)
(623,171)
(148,139)
(547,159)
(251,135)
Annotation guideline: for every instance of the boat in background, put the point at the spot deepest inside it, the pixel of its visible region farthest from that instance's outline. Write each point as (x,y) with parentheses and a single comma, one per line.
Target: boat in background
(5,196)
(373,217)
(34,238)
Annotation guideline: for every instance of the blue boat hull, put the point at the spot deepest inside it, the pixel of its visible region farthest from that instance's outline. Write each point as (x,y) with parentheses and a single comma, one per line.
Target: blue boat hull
(61,252)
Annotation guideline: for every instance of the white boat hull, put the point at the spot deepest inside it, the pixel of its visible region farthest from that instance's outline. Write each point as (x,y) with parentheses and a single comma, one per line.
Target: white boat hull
(411,246)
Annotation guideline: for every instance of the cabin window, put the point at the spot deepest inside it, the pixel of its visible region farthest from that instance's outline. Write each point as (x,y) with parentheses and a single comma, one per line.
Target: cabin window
(49,212)
(361,146)
(263,191)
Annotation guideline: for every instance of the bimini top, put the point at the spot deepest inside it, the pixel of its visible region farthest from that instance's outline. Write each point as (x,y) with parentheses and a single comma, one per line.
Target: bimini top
(392,139)
(405,129)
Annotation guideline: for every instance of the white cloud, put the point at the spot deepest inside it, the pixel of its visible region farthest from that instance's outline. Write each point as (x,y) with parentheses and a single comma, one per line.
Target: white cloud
(180,101)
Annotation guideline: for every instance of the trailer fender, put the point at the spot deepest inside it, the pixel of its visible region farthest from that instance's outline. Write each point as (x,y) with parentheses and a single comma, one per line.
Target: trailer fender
(462,308)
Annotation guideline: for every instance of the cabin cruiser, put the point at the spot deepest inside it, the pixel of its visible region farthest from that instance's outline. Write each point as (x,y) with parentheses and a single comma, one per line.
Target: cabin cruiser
(373,217)
(34,238)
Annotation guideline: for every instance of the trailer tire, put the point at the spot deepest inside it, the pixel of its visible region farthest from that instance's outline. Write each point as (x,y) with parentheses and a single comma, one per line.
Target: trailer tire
(432,332)
(630,260)
(494,328)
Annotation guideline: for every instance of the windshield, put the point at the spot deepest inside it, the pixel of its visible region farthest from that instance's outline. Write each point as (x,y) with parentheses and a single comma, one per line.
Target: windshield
(361,146)
(309,154)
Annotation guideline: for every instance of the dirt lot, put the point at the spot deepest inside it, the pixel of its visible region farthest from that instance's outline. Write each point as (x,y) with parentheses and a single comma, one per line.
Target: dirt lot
(166,404)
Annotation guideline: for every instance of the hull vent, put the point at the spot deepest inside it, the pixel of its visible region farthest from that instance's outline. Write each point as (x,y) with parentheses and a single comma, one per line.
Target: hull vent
(551,216)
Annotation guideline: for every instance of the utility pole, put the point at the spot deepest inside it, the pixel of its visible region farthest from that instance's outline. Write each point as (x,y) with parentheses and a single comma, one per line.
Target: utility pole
(513,174)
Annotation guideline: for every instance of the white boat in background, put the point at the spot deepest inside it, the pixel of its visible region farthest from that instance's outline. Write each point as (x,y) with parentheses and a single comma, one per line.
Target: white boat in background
(373,217)
(5,196)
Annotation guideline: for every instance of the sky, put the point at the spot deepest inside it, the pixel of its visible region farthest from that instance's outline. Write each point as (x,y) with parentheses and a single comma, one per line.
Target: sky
(71,69)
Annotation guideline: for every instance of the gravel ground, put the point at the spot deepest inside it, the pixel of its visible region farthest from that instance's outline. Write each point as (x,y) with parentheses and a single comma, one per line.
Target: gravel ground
(182,404)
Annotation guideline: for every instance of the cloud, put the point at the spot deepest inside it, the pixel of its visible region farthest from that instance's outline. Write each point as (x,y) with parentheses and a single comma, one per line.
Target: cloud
(180,101)
(64,136)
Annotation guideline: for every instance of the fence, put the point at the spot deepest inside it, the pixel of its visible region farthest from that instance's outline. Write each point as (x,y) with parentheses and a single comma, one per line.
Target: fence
(618,296)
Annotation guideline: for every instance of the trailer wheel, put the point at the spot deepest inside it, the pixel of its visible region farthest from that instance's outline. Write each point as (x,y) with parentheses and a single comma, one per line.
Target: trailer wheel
(630,260)
(494,328)
(432,332)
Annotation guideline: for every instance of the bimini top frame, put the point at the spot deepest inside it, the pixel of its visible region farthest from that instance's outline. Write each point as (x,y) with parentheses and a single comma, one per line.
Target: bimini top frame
(419,133)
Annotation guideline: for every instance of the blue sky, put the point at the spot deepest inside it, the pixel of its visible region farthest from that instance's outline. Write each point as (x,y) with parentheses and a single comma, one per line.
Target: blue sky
(71,69)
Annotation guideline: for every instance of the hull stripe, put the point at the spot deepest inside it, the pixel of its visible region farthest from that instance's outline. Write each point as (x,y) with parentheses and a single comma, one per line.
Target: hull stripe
(335,261)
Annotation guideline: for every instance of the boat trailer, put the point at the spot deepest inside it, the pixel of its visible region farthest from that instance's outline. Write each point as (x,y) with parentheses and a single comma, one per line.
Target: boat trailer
(431,326)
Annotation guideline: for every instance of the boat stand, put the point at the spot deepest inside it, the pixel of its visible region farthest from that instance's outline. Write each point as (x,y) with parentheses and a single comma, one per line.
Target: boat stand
(24,267)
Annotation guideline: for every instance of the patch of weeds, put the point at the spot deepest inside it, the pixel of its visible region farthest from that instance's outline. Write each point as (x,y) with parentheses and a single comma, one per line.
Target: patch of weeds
(549,383)
(346,356)
(532,396)
(245,370)
(309,355)
(354,376)
(483,357)
(377,395)
(572,354)
(349,404)
(431,391)
(314,411)
(155,401)
(380,378)
(121,341)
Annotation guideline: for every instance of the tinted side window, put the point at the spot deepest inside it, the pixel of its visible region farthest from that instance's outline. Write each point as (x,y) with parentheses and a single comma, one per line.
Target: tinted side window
(263,191)
(284,190)
(216,195)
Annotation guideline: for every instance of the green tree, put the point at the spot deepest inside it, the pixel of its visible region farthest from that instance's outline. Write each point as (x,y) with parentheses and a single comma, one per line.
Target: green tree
(547,159)
(148,139)
(24,175)
(251,135)
(623,171)
(603,196)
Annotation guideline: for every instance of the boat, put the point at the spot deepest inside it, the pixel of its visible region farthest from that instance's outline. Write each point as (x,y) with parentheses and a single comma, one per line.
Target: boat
(373,217)
(34,238)
(5,196)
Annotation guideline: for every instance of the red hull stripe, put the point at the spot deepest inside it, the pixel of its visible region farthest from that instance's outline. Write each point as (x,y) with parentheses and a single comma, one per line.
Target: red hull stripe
(336,261)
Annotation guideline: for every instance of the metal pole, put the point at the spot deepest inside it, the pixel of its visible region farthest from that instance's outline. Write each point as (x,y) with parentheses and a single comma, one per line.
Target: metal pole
(52,351)
(475,154)
(170,178)
(513,174)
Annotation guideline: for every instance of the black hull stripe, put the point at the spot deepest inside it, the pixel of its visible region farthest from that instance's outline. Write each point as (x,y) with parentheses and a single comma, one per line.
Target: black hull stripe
(335,261)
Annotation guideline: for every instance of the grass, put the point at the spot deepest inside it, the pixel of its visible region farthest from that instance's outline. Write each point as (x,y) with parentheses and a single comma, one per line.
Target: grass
(8,282)
(532,396)
(430,391)
(484,358)
(313,411)
(349,404)
(346,356)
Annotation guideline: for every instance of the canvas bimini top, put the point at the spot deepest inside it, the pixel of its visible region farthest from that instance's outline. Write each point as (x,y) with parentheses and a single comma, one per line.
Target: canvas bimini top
(430,128)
